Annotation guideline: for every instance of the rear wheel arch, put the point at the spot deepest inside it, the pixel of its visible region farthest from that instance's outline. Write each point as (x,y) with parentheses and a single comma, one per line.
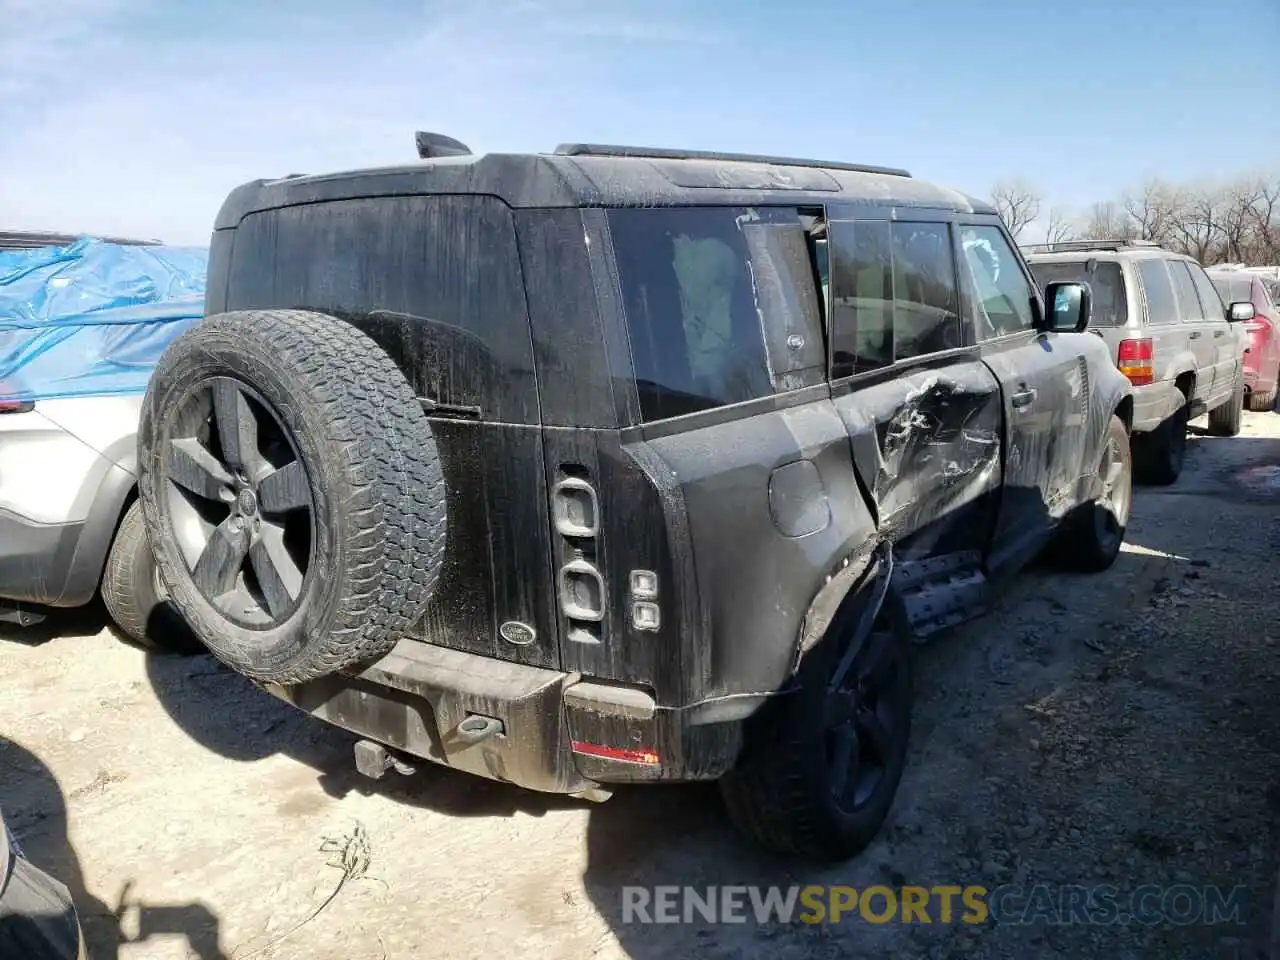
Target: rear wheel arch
(832,605)
(1186,383)
(1124,410)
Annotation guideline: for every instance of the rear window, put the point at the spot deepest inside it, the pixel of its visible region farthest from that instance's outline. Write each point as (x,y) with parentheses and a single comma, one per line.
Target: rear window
(1106,280)
(721,305)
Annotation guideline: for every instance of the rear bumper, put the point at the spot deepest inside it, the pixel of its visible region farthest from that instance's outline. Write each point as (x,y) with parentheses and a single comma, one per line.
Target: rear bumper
(35,558)
(1154,403)
(558,734)
(60,564)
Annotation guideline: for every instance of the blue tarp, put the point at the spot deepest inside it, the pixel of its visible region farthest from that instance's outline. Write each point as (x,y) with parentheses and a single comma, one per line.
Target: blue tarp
(92,318)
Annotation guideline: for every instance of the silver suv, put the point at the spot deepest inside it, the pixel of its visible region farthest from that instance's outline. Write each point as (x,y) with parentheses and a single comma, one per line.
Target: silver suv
(1168,332)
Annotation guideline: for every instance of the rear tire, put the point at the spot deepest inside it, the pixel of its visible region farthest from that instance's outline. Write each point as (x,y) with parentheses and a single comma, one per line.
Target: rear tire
(132,595)
(783,792)
(288,467)
(1263,402)
(1159,455)
(1225,420)
(1092,540)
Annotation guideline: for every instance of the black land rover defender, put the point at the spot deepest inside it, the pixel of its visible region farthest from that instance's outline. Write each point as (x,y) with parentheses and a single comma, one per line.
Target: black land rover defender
(618,464)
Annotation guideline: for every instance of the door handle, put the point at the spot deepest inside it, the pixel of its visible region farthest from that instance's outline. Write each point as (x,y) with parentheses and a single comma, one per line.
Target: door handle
(1193,335)
(1219,333)
(1023,398)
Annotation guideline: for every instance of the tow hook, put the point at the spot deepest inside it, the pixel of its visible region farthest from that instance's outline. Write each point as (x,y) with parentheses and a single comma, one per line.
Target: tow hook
(373,760)
(476,729)
(19,615)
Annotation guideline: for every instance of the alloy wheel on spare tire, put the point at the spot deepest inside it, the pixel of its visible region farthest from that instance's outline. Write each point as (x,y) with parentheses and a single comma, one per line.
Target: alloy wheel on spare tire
(293,492)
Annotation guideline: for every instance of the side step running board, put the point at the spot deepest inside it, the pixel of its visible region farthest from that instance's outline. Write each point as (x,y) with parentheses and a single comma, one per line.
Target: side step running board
(942,591)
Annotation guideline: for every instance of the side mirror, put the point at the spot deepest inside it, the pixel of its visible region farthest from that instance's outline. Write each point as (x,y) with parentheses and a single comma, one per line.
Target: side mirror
(1070,305)
(1240,311)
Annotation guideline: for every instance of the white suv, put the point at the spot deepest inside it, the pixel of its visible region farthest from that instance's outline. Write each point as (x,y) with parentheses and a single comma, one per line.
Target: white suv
(1168,332)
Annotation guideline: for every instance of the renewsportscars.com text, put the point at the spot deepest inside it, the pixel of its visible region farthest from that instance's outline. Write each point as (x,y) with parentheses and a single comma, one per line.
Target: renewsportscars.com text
(1149,904)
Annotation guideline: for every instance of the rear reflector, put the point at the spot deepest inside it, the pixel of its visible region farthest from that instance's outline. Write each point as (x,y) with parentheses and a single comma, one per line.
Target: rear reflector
(1134,360)
(647,757)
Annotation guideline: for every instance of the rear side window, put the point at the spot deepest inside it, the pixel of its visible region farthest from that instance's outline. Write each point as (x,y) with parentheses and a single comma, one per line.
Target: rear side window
(1161,306)
(436,281)
(1106,282)
(893,293)
(721,305)
(1210,299)
(1185,288)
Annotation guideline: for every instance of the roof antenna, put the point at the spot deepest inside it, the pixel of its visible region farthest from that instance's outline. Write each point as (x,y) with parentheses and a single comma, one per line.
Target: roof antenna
(431,145)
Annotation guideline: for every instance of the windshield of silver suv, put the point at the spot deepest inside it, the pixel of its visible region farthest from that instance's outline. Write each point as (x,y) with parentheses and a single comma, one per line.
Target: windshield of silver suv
(1105,280)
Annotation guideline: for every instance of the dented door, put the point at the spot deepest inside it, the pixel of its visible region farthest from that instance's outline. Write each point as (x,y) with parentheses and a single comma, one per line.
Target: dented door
(922,412)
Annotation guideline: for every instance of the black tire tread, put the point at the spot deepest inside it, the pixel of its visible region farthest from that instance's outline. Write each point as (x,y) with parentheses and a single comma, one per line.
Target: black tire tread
(129,595)
(776,792)
(1153,460)
(396,504)
(1226,418)
(119,594)
(1262,402)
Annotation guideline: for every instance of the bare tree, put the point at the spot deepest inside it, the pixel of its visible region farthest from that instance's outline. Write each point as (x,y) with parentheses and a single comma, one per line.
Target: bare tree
(1018,204)
(1107,220)
(1152,209)
(1236,214)
(1059,228)
(1198,225)
(1265,217)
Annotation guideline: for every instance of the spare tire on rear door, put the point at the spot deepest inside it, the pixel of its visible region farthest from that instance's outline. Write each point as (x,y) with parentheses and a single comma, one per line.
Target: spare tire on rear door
(293,492)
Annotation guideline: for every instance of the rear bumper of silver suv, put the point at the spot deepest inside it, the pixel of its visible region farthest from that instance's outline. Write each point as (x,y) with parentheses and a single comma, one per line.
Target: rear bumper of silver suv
(1154,403)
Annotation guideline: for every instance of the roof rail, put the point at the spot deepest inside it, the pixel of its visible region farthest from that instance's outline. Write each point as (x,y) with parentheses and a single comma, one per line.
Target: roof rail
(659,153)
(1071,246)
(27,240)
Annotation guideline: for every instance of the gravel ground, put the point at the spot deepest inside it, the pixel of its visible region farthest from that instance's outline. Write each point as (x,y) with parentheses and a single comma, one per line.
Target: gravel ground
(1115,729)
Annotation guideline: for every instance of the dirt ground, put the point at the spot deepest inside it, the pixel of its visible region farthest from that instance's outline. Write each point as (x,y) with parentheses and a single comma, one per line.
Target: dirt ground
(1115,729)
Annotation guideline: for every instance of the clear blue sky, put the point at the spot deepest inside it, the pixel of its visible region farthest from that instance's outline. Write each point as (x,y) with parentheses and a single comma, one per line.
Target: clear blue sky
(137,116)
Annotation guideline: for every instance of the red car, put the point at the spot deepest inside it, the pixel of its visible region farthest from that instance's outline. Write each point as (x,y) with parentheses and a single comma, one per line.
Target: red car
(1262,362)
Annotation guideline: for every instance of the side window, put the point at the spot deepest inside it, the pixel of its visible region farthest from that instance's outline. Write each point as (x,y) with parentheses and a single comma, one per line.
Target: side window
(1161,307)
(1185,288)
(925,302)
(1001,292)
(893,293)
(861,296)
(721,305)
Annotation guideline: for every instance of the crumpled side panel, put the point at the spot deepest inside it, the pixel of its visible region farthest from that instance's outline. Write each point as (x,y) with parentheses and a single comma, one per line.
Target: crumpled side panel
(93,318)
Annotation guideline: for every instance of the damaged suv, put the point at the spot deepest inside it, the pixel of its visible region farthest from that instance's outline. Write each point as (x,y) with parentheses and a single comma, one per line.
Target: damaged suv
(621,464)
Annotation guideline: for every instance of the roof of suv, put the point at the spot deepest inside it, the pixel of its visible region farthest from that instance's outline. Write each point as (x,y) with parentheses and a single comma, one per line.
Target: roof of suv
(1073,251)
(592,175)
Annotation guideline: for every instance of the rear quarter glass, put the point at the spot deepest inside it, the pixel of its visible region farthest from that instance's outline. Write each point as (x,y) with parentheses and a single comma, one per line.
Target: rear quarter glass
(1106,281)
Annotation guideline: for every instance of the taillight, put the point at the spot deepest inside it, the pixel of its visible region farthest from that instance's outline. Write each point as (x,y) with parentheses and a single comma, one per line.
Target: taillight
(1134,360)
(7,402)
